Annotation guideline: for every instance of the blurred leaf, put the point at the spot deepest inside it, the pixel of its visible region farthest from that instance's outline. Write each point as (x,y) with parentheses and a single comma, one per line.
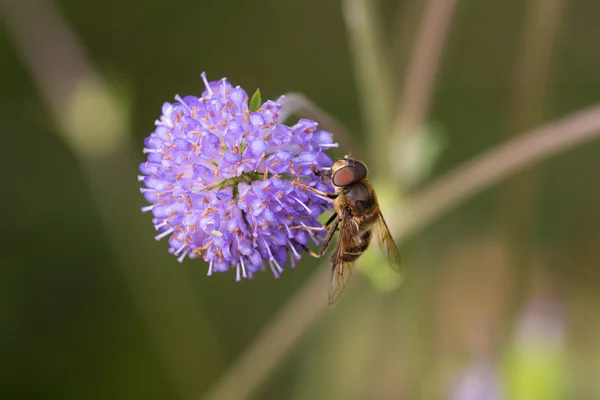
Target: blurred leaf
(255,101)
(97,119)
(535,373)
(418,153)
(374,264)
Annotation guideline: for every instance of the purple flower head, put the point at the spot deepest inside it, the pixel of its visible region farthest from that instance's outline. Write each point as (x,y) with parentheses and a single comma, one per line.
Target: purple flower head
(220,180)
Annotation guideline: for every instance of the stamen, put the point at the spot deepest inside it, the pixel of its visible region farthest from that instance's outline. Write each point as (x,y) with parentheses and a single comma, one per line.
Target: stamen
(148,208)
(294,250)
(273,269)
(279,269)
(203,75)
(182,257)
(157,227)
(210,269)
(237,273)
(206,163)
(165,233)
(244,275)
(290,235)
(280,202)
(141,178)
(293,148)
(273,261)
(321,197)
(254,228)
(146,150)
(301,203)
(179,249)
(179,99)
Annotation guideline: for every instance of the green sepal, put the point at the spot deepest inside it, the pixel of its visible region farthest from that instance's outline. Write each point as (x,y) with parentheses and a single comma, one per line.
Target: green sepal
(255,101)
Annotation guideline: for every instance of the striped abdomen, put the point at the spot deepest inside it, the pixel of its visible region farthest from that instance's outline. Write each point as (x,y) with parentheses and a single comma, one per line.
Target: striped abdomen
(351,254)
(358,202)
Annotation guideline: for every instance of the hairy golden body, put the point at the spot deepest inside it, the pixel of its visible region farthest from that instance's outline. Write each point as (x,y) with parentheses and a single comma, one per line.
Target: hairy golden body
(356,216)
(359,203)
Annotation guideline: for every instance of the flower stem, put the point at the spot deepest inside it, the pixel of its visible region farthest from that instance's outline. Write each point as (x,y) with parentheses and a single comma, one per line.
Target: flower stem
(375,86)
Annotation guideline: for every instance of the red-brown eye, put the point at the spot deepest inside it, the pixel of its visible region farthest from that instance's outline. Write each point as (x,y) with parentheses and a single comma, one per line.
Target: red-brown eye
(349,174)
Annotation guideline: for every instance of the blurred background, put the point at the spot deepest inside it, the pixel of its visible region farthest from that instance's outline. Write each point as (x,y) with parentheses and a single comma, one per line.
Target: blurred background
(500,297)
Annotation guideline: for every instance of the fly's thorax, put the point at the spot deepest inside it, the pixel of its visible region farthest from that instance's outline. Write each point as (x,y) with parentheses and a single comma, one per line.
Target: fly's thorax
(359,198)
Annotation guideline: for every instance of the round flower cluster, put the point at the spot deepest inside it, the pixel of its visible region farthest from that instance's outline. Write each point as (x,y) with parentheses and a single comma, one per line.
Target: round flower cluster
(221,180)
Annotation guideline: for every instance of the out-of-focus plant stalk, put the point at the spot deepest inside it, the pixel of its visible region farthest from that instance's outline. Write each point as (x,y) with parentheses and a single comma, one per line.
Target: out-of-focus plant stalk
(490,167)
(297,104)
(344,351)
(375,82)
(296,317)
(419,81)
(534,59)
(531,81)
(93,121)
(407,20)
(423,66)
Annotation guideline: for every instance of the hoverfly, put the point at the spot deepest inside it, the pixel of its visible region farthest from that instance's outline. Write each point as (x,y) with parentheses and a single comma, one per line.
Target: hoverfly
(356,215)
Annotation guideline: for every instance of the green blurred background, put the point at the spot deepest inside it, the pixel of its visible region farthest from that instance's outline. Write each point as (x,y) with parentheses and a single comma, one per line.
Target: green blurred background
(500,298)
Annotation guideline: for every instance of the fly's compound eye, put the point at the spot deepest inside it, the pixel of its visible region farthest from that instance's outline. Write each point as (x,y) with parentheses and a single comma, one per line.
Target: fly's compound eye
(349,174)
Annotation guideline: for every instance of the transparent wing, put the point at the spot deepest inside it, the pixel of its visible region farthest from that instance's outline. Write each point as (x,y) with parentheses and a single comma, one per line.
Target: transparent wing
(341,271)
(340,274)
(387,242)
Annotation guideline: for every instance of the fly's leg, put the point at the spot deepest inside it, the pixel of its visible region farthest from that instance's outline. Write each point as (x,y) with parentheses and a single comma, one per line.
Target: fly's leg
(335,220)
(317,228)
(316,191)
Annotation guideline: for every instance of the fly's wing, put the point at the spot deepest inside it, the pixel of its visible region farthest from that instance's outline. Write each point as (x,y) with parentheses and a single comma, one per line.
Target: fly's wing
(341,270)
(387,242)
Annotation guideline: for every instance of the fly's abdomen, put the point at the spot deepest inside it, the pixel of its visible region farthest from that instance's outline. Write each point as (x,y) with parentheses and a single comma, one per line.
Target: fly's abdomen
(351,254)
